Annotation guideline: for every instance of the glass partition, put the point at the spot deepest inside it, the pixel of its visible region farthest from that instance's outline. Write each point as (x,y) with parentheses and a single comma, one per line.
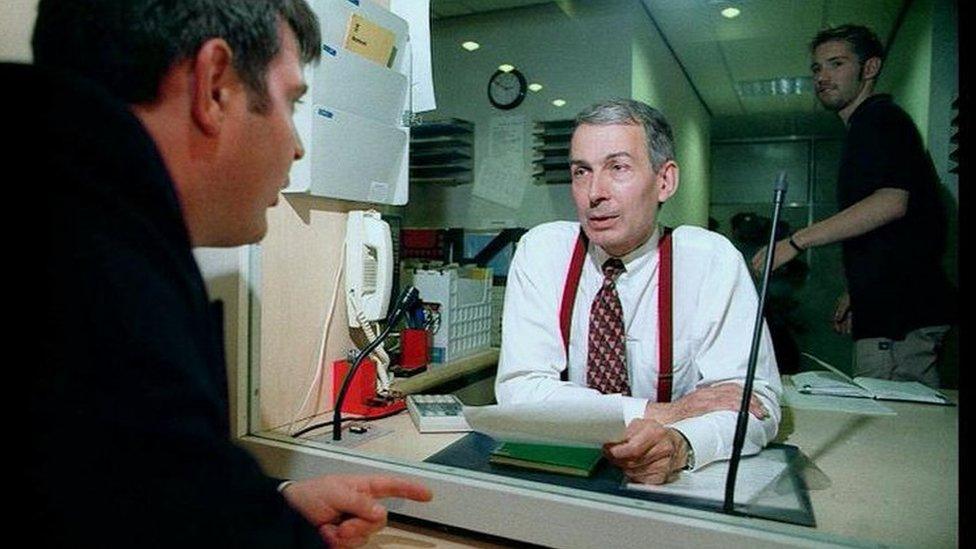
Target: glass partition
(576,53)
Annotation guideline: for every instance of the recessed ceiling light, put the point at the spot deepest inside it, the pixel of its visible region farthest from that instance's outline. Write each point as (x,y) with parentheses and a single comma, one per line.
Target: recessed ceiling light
(535,86)
(559,102)
(784,85)
(505,67)
(470,46)
(730,12)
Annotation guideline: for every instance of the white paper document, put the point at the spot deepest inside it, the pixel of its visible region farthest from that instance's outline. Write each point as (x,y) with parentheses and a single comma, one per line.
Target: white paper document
(502,177)
(417,15)
(580,422)
(755,475)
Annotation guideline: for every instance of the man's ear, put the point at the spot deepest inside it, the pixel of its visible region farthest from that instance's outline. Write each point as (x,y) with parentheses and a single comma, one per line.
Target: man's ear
(871,68)
(214,82)
(667,180)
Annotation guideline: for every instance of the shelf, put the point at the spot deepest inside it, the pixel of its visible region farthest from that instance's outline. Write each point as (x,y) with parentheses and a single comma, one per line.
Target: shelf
(553,166)
(440,128)
(442,151)
(443,373)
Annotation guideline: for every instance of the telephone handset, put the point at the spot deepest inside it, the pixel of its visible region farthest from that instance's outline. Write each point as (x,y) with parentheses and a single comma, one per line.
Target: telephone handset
(369,266)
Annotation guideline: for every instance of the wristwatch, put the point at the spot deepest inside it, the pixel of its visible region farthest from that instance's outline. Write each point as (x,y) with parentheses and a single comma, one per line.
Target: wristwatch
(690,463)
(795,246)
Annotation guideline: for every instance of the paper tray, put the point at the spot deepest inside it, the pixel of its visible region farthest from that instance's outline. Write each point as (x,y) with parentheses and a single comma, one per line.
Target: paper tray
(356,158)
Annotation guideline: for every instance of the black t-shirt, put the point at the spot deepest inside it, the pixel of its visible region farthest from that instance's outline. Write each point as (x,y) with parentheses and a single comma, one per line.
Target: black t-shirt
(894,272)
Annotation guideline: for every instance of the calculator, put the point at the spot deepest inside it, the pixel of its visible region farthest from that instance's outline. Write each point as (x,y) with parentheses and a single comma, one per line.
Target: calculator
(437,413)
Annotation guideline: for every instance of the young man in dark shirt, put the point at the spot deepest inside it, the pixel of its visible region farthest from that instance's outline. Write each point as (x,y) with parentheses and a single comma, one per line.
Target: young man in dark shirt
(899,302)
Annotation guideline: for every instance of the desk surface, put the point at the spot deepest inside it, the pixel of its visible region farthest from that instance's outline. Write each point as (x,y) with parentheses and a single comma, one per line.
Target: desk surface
(888,479)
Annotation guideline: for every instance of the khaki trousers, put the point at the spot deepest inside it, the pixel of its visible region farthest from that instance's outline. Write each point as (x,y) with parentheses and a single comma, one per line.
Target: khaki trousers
(911,359)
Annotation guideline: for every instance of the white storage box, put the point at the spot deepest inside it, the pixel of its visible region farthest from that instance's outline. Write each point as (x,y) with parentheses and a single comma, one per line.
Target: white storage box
(462,296)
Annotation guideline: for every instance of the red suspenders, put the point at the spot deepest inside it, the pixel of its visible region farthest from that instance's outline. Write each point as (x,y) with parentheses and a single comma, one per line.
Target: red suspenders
(665,358)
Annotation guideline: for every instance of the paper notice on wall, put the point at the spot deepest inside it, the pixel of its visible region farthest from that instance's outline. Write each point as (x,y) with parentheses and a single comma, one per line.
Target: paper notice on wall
(502,176)
(417,15)
(370,40)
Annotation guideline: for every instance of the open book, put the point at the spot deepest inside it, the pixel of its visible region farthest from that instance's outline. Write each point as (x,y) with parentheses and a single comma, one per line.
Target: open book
(833,382)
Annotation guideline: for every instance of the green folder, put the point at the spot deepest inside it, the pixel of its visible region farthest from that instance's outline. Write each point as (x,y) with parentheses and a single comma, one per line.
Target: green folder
(567,460)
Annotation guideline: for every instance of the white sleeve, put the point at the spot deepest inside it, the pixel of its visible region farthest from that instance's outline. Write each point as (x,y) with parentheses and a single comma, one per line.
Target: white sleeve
(532,354)
(725,321)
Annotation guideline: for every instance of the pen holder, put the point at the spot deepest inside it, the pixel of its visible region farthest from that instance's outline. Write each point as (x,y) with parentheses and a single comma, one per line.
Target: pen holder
(414,348)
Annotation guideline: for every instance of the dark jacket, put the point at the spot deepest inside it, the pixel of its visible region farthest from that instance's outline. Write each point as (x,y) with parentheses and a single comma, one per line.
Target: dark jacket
(129,443)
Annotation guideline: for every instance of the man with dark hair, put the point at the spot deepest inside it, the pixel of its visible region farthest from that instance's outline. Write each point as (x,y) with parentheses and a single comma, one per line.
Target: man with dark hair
(899,303)
(161,126)
(615,306)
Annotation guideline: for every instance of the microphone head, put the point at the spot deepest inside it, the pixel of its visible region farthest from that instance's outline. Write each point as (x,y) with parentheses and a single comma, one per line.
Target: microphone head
(409,297)
(781,182)
(407,301)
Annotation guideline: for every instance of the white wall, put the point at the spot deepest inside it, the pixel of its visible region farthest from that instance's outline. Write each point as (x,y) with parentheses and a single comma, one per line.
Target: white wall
(657,79)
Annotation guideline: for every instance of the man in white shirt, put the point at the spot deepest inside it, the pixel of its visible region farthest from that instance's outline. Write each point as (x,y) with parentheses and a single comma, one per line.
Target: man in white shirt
(566,295)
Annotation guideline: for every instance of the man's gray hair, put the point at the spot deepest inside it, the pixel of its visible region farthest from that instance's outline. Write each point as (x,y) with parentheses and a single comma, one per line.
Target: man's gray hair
(657,131)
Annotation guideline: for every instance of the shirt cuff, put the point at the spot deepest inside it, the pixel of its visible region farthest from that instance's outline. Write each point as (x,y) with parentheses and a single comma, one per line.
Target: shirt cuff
(701,437)
(634,408)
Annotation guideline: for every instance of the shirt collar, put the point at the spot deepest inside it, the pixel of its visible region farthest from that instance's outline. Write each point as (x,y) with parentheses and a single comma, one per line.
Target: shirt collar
(632,259)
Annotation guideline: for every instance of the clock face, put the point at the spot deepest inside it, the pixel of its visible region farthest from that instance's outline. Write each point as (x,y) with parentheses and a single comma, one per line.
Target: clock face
(506,90)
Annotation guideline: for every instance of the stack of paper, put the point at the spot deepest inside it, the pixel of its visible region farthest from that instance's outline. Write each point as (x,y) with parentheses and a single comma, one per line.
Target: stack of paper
(584,422)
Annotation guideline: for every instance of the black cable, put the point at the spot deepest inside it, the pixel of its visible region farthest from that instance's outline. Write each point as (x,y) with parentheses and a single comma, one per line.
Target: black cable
(337,413)
(408,298)
(363,419)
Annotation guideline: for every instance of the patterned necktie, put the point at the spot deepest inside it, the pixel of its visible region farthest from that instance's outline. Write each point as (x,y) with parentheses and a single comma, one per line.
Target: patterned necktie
(606,357)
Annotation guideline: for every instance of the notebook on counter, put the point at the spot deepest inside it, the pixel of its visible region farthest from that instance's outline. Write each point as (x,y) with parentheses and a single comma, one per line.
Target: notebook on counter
(566,460)
(833,382)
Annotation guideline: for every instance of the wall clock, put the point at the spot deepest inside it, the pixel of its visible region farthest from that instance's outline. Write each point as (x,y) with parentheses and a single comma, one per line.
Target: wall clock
(506,90)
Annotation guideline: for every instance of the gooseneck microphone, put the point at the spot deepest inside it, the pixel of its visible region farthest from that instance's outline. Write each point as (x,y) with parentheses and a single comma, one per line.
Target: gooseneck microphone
(407,300)
(742,420)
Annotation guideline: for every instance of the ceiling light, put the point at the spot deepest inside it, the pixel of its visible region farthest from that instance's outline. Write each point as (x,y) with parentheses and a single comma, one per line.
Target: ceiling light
(730,12)
(784,85)
(559,102)
(470,46)
(505,67)
(535,86)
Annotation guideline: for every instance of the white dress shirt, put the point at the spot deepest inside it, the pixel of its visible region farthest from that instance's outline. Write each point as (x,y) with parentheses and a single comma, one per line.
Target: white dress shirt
(714,303)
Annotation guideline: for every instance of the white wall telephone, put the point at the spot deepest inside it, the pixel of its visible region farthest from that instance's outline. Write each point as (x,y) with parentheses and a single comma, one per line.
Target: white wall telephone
(369,266)
(369,280)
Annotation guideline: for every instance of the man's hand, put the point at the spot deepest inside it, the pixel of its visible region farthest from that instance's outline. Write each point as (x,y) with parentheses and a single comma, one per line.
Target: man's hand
(843,314)
(783,254)
(650,452)
(344,508)
(713,398)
